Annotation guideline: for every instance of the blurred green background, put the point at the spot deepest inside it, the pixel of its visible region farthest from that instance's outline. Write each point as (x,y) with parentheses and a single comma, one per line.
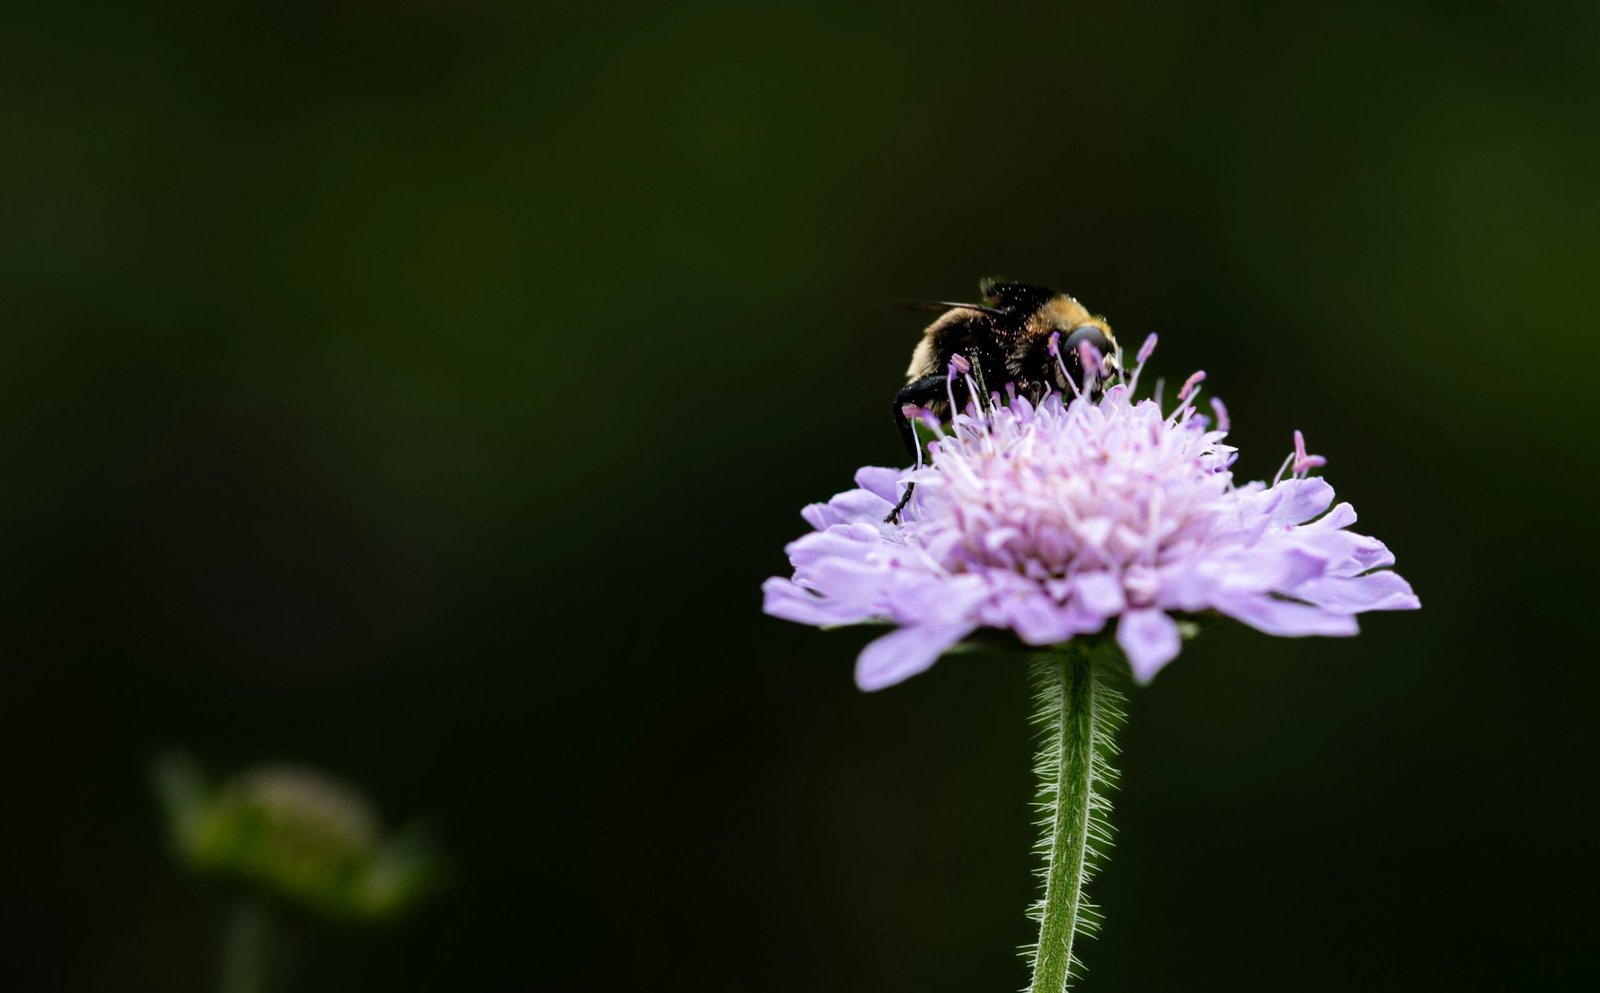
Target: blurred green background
(422,391)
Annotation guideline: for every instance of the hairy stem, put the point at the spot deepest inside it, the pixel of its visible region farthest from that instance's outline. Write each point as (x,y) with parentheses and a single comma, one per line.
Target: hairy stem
(1078,713)
(248,949)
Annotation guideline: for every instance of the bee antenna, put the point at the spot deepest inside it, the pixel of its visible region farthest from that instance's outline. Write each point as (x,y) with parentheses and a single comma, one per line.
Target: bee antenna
(940,305)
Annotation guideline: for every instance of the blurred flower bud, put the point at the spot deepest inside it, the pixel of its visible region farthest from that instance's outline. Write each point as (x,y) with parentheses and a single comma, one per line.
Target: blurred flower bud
(295,835)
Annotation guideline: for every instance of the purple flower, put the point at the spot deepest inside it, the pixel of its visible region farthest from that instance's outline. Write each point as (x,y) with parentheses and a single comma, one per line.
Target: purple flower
(1051,519)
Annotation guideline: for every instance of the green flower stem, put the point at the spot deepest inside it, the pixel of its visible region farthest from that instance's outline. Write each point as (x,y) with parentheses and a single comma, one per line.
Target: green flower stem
(250,949)
(1079,712)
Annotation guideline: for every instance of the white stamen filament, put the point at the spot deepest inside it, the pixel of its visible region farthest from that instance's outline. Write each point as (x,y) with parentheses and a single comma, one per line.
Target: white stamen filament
(1283,468)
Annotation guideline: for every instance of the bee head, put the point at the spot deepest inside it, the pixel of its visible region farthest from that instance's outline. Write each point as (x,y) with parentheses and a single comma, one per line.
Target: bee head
(1098,335)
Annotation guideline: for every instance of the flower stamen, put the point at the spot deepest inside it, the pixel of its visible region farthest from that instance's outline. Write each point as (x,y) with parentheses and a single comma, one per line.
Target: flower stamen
(1054,345)
(1089,361)
(1221,410)
(958,367)
(1303,463)
(1139,360)
(912,412)
(1287,462)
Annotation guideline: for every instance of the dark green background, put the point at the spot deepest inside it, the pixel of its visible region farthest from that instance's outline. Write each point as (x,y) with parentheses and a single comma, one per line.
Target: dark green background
(422,391)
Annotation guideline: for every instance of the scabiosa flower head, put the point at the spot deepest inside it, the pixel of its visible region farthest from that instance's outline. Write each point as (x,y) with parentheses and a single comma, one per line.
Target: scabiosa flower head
(1058,518)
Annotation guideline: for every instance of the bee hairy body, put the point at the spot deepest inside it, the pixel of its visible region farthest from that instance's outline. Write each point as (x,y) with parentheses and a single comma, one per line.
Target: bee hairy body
(1011,346)
(1006,339)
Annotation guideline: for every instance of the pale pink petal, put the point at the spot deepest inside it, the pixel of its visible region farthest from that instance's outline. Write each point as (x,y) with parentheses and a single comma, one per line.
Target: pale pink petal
(835,543)
(1299,500)
(1039,620)
(849,507)
(949,599)
(782,598)
(902,654)
(1354,594)
(818,515)
(881,482)
(1150,640)
(1341,516)
(1099,592)
(1288,619)
(860,505)
(1348,554)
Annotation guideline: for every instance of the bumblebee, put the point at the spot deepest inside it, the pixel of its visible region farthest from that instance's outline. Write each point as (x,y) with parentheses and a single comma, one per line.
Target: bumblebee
(1006,339)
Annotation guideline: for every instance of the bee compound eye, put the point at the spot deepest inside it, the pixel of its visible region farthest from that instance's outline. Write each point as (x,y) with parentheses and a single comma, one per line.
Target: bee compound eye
(1086,332)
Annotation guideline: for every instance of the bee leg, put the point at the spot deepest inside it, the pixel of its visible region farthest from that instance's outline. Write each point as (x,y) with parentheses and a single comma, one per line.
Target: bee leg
(925,392)
(921,393)
(905,498)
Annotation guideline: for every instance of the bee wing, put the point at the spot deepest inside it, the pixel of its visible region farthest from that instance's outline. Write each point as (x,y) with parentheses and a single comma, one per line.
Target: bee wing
(939,306)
